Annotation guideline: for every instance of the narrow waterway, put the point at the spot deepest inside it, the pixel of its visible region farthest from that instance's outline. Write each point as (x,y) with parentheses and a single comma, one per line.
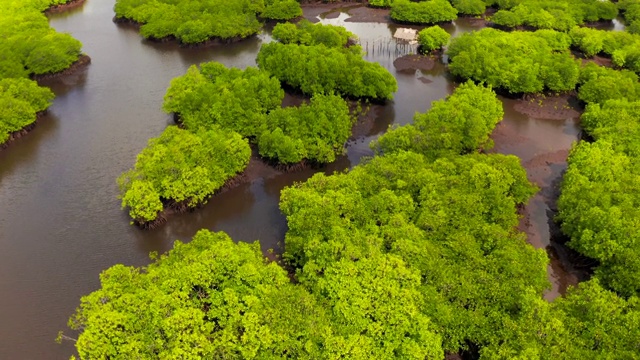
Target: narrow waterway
(61,222)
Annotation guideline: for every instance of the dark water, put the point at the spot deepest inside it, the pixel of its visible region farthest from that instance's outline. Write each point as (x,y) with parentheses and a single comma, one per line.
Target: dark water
(60,221)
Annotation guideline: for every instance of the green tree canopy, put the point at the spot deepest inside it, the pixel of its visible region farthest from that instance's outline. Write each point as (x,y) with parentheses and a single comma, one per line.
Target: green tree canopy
(558,15)
(319,69)
(181,167)
(451,220)
(433,38)
(599,210)
(423,12)
(316,131)
(29,46)
(307,33)
(20,101)
(197,21)
(520,62)
(459,124)
(589,322)
(248,102)
(599,84)
(227,97)
(207,299)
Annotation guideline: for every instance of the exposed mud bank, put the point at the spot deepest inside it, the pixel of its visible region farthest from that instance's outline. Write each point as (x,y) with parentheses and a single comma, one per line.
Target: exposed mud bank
(82,62)
(358,12)
(22,132)
(72,4)
(543,143)
(549,107)
(411,63)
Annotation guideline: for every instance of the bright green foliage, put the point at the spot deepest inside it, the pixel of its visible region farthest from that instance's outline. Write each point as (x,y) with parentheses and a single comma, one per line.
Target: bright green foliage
(281,9)
(600,201)
(469,7)
(29,45)
(616,121)
(230,98)
(599,323)
(424,12)
(197,21)
(588,323)
(375,310)
(631,11)
(181,167)
(599,209)
(452,220)
(319,69)
(209,299)
(520,62)
(551,14)
(459,124)
(623,47)
(433,38)
(307,33)
(240,101)
(316,131)
(380,3)
(599,84)
(20,100)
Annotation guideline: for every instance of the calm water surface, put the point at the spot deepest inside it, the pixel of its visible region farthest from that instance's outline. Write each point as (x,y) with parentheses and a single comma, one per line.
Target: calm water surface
(61,222)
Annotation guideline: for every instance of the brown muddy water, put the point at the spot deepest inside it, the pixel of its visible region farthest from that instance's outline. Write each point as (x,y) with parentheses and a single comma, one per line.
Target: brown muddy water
(61,222)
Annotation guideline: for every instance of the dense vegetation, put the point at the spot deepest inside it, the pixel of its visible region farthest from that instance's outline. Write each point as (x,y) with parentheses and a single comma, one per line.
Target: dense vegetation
(631,11)
(433,10)
(380,3)
(248,102)
(451,221)
(433,38)
(216,101)
(307,33)
(320,69)
(230,98)
(20,101)
(404,256)
(181,169)
(470,7)
(315,131)
(520,62)
(622,47)
(459,124)
(599,84)
(209,299)
(423,12)
(28,47)
(552,14)
(600,198)
(197,21)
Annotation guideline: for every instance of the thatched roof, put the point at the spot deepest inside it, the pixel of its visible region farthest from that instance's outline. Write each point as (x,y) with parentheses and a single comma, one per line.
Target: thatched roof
(406,34)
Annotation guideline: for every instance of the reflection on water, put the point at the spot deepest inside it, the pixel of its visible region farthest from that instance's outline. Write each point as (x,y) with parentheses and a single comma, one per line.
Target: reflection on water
(61,222)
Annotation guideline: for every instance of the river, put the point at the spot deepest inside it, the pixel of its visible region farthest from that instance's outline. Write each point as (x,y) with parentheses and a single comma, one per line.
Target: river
(61,222)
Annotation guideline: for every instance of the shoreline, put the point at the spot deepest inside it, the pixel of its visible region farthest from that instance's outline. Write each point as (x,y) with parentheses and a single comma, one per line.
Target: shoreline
(214,41)
(82,62)
(171,207)
(71,4)
(256,162)
(13,136)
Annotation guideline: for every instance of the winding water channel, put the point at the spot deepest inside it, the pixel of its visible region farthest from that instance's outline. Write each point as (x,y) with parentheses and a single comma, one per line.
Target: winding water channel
(61,222)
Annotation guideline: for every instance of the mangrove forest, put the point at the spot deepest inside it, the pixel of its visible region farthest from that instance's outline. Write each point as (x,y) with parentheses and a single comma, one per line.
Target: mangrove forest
(287,179)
